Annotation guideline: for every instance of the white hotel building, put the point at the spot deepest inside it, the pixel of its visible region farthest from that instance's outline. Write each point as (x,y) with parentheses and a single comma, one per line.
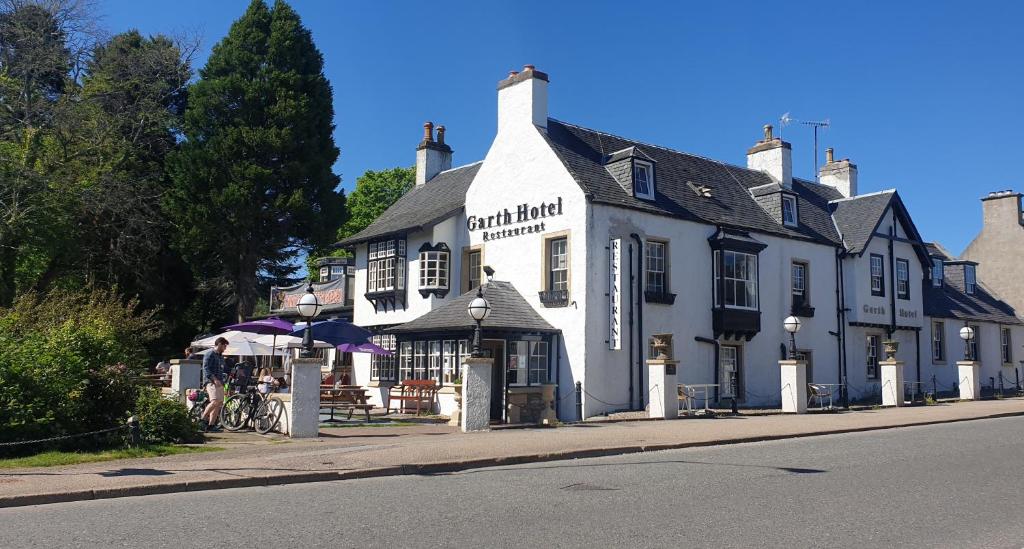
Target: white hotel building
(598,242)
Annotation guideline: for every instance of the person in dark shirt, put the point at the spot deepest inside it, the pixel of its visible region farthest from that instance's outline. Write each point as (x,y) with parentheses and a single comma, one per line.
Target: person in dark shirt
(213,368)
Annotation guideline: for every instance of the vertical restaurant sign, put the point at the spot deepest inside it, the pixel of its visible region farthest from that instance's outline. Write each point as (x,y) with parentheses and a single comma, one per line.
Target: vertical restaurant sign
(615,293)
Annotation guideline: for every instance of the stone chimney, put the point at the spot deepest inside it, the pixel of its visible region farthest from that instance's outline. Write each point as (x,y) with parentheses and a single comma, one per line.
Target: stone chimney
(523,99)
(432,157)
(1001,210)
(840,175)
(774,157)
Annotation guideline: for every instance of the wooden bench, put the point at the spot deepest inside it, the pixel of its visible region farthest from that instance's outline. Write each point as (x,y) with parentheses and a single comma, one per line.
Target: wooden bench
(418,391)
(349,398)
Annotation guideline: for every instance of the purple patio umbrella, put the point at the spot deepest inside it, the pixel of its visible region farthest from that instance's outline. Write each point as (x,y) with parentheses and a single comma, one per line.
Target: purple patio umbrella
(364,348)
(274,326)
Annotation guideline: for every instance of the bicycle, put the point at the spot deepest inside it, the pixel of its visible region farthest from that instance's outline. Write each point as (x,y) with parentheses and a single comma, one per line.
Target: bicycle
(200,399)
(252,407)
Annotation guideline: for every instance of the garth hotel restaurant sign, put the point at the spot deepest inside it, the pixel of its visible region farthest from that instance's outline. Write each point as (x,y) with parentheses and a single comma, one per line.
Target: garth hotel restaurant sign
(525,213)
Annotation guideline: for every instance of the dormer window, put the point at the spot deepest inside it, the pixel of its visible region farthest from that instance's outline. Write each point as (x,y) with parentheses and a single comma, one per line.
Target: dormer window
(936,272)
(434,268)
(970,282)
(643,180)
(789,216)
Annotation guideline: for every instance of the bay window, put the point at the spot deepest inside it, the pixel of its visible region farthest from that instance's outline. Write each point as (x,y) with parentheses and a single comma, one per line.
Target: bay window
(434,269)
(736,272)
(385,270)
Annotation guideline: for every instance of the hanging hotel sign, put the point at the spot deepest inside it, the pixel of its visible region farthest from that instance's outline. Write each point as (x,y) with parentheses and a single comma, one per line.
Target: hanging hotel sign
(615,293)
(527,218)
(286,298)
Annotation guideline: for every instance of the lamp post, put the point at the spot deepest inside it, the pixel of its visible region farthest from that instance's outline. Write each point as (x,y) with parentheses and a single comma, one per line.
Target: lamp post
(479,309)
(792,325)
(967,334)
(308,307)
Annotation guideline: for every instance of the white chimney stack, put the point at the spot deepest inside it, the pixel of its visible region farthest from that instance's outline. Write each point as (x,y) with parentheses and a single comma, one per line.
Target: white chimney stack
(774,157)
(523,99)
(840,175)
(432,157)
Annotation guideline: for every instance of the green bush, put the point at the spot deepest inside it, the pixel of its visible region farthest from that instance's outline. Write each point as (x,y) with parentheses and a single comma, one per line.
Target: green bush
(69,362)
(163,419)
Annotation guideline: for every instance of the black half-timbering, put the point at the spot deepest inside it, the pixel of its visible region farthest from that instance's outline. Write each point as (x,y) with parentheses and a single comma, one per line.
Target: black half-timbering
(435,269)
(736,304)
(385,272)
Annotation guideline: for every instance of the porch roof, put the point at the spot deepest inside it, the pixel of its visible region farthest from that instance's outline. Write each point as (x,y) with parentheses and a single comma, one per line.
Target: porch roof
(509,312)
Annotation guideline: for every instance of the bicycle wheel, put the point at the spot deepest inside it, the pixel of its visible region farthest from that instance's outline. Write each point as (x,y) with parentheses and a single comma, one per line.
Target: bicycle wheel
(195,413)
(233,415)
(268,415)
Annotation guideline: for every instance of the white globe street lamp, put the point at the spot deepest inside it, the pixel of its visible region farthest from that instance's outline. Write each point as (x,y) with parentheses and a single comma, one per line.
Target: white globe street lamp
(479,309)
(967,334)
(792,325)
(308,307)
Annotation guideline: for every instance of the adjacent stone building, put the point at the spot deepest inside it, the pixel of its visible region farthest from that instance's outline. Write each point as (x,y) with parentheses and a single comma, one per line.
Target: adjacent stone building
(999,247)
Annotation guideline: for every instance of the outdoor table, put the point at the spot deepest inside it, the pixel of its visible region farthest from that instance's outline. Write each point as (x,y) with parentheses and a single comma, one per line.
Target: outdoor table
(692,390)
(354,395)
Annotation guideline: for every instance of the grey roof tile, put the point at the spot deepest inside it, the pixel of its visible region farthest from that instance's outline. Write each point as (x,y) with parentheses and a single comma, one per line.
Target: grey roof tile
(951,300)
(584,152)
(423,206)
(857,217)
(509,312)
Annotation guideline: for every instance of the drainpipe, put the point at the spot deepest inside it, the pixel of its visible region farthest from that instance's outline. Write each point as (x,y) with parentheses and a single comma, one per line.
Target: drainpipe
(632,334)
(639,319)
(892,277)
(556,347)
(843,364)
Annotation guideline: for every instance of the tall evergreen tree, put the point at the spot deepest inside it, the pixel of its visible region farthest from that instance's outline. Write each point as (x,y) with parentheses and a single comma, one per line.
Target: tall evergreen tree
(253,178)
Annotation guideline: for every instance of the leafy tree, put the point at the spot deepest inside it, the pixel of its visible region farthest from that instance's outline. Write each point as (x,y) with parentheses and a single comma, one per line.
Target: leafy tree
(253,178)
(375,192)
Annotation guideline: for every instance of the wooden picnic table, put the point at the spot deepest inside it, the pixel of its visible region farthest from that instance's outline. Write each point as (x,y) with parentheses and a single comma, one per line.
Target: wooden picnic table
(346,397)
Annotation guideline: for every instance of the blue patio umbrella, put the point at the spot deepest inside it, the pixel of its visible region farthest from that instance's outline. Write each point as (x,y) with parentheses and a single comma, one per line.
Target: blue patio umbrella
(335,331)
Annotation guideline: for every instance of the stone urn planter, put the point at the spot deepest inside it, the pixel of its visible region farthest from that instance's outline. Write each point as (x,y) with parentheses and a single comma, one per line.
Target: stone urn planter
(662,344)
(891,347)
(457,412)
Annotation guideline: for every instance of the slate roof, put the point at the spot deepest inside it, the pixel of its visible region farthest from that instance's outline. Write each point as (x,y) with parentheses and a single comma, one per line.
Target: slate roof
(584,153)
(952,301)
(858,217)
(423,206)
(509,312)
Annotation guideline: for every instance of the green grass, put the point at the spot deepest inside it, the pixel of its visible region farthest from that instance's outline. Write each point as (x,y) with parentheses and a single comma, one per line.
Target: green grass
(54,459)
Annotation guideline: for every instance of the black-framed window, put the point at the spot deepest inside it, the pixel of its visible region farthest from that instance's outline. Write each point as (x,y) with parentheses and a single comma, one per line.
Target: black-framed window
(902,278)
(789,211)
(877,275)
(973,346)
(527,362)
(738,279)
(434,359)
(385,266)
(937,272)
(798,284)
(435,266)
(656,261)
(970,279)
(1006,346)
(384,367)
(938,341)
(558,264)
(874,348)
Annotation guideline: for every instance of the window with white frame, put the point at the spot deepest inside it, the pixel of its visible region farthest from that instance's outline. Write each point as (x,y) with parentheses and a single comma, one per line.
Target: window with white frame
(798,283)
(643,180)
(325,274)
(657,266)
(434,361)
(902,279)
(1006,347)
(728,371)
(405,361)
(874,344)
(337,271)
(527,363)
(419,360)
(789,214)
(434,269)
(970,280)
(938,341)
(382,367)
(936,272)
(738,280)
(385,267)
(877,275)
(474,269)
(558,264)
(449,360)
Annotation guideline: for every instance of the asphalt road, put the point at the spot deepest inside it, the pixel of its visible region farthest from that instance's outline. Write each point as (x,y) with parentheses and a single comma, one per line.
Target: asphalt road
(954,485)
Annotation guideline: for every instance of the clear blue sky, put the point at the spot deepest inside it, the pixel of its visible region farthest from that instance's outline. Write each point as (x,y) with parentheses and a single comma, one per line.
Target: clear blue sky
(923,96)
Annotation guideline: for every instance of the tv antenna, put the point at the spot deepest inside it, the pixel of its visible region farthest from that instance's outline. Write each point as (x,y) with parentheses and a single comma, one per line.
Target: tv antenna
(816,124)
(784,121)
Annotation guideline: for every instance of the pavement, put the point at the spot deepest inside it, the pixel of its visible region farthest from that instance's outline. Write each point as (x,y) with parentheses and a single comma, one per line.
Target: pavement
(364,452)
(949,485)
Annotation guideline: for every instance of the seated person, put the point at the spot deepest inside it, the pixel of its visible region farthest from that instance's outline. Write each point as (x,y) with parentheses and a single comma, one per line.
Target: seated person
(266,382)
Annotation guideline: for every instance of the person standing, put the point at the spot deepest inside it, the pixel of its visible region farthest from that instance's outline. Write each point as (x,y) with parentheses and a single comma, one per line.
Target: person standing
(213,369)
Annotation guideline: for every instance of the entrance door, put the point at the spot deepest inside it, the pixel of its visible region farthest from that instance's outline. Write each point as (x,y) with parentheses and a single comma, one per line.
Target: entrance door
(495,348)
(806,357)
(728,371)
